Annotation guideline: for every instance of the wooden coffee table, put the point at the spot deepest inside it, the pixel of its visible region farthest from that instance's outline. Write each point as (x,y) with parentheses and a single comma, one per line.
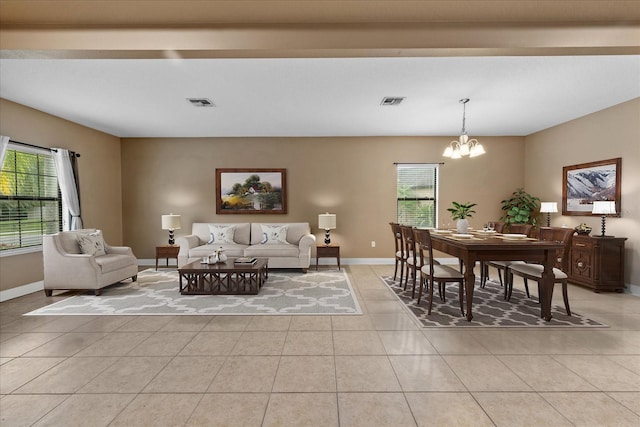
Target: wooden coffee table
(224,278)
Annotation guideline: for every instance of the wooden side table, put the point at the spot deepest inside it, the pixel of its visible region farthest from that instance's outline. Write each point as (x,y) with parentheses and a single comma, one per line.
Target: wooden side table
(167,251)
(329,251)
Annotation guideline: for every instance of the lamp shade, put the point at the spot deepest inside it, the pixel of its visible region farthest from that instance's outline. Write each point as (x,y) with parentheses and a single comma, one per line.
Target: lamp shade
(604,208)
(327,221)
(548,207)
(171,222)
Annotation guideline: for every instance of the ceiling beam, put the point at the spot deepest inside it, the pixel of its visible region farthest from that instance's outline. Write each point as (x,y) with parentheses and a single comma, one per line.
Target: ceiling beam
(379,40)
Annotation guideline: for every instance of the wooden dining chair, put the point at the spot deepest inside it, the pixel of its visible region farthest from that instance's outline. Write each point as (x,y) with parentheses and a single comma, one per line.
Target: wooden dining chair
(431,273)
(413,261)
(505,265)
(410,262)
(534,271)
(400,250)
(498,227)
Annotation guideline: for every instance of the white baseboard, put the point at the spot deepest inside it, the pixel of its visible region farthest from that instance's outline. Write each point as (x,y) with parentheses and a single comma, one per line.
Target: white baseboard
(20,291)
(325,261)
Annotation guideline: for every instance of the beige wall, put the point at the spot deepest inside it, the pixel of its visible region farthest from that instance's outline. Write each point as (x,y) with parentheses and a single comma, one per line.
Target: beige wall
(352,177)
(607,134)
(100,179)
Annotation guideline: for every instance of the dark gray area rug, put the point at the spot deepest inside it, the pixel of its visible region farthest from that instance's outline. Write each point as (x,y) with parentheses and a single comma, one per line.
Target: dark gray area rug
(156,293)
(489,308)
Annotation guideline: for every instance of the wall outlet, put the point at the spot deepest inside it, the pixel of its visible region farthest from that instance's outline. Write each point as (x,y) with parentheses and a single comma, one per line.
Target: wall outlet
(373,243)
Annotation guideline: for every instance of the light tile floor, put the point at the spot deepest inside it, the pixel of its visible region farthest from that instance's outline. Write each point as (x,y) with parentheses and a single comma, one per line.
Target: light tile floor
(378,369)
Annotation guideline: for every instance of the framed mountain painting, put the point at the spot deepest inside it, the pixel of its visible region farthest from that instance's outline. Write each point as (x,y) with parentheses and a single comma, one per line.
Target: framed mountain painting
(588,182)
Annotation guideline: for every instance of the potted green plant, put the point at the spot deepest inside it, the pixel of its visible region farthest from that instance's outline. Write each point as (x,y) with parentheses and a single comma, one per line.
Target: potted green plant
(518,208)
(460,212)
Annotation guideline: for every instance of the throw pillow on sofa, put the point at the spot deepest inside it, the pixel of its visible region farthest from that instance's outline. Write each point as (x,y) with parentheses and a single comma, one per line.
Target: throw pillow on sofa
(221,234)
(92,243)
(274,235)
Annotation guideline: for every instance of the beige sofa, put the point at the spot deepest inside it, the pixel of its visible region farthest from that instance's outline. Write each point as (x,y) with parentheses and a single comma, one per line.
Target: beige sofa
(66,267)
(247,238)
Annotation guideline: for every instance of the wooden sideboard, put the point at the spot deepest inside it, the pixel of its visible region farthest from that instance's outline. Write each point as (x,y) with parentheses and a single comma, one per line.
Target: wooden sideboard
(597,262)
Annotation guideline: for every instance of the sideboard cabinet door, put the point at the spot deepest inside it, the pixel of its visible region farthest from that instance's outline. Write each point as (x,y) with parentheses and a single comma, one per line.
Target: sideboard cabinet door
(597,262)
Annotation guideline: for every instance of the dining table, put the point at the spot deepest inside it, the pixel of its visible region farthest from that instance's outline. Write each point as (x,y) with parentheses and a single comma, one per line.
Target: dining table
(483,246)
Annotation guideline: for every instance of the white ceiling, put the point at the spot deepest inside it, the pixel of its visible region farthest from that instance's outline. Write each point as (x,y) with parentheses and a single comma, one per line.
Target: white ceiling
(321,97)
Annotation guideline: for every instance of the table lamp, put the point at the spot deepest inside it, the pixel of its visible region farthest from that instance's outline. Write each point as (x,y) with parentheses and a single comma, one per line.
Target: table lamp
(548,208)
(171,222)
(604,208)
(327,222)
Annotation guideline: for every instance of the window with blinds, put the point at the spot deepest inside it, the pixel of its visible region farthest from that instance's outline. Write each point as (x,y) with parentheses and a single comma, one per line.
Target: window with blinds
(30,200)
(416,194)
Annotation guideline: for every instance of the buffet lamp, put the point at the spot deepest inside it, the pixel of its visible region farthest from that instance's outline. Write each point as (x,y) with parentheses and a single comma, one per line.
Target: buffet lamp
(548,208)
(171,222)
(604,208)
(327,222)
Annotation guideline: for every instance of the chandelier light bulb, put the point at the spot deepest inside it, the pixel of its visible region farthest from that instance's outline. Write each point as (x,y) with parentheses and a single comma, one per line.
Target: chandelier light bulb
(464,149)
(477,150)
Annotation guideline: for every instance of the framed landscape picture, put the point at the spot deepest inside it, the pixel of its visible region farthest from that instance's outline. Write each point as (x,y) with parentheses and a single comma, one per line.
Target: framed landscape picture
(588,182)
(251,191)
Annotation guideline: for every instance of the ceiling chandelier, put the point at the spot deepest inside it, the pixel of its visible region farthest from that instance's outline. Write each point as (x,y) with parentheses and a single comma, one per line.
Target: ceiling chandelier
(463,146)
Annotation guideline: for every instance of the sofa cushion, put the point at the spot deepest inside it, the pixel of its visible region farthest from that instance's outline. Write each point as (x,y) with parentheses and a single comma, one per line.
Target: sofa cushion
(274,234)
(113,262)
(273,250)
(240,235)
(91,243)
(206,250)
(221,234)
(295,231)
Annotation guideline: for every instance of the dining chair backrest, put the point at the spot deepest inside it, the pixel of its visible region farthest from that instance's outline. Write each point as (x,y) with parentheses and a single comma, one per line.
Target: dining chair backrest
(407,237)
(498,226)
(559,235)
(424,248)
(521,229)
(397,236)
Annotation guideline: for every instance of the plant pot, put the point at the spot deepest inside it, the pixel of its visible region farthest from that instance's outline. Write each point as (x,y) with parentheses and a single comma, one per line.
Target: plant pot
(462,226)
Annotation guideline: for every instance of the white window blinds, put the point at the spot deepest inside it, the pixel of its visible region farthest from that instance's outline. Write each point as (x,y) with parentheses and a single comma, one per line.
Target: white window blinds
(416,194)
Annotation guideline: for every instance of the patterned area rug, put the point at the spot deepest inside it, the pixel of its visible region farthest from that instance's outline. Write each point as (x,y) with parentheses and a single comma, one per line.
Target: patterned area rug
(156,293)
(489,308)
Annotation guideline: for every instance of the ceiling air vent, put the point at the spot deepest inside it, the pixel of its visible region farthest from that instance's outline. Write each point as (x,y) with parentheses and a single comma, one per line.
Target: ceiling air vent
(391,100)
(201,102)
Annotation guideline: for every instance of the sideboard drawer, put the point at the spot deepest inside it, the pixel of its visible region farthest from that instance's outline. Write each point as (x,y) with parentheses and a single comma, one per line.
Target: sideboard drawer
(582,243)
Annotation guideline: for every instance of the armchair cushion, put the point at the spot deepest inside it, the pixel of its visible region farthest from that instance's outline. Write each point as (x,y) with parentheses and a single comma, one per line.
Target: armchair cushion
(91,243)
(113,262)
(69,243)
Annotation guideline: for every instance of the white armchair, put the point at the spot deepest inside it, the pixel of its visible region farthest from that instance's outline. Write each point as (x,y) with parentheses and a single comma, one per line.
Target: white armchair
(66,267)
